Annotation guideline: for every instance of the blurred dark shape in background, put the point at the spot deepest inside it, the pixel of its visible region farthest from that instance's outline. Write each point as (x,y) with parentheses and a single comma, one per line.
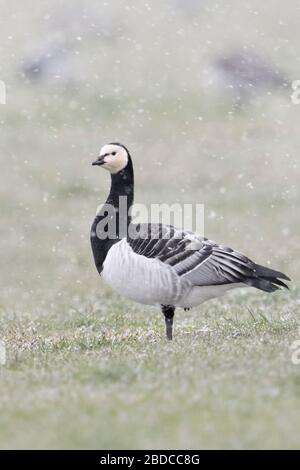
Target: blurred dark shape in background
(189,7)
(50,62)
(245,74)
(56,59)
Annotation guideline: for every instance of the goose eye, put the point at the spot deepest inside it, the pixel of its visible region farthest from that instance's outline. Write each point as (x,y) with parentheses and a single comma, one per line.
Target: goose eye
(113,153)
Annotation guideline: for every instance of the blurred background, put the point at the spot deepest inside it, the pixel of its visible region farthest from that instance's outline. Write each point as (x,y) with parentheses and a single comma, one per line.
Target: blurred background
(199,91)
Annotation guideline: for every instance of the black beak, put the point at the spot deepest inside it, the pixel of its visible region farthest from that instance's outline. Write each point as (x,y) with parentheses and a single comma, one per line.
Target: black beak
(100,161)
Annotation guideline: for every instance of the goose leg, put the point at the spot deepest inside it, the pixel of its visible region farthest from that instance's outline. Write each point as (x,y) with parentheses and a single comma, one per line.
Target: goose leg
(168,311)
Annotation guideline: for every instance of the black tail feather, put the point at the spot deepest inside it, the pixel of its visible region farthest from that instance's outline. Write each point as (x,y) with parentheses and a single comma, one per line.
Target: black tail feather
(279,283)
(267,273)
(267,279)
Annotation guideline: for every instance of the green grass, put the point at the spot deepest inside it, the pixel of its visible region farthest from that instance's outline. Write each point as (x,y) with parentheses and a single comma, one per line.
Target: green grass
(104,376)
(86,369)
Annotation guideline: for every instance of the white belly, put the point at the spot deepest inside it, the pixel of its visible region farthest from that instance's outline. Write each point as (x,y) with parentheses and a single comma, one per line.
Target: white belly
(199,294)
(148,281)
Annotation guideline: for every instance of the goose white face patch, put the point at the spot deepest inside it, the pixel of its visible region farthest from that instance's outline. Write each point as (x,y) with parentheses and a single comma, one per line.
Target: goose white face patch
(115,157)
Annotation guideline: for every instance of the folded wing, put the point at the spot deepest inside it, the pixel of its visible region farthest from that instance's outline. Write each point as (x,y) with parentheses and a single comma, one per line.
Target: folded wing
(200,261)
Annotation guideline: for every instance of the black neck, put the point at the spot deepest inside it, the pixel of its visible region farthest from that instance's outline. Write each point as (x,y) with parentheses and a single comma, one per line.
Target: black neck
(111,223)
(122,184)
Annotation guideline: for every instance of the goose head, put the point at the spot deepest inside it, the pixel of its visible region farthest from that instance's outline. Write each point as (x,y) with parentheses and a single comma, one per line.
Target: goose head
(113,157)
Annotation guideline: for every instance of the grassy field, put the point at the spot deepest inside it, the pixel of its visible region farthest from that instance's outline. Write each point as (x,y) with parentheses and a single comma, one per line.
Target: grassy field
(86,369)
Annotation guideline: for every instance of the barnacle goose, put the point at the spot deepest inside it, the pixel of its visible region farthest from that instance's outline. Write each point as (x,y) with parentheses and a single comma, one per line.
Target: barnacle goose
(160,265)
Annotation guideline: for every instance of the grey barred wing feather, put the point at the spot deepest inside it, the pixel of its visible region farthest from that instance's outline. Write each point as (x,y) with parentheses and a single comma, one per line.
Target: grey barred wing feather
(200,261)
(223,266)
(180,249)
(227,266)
